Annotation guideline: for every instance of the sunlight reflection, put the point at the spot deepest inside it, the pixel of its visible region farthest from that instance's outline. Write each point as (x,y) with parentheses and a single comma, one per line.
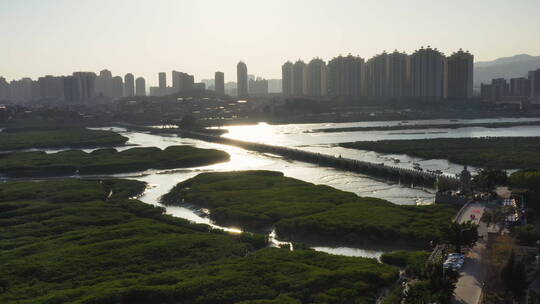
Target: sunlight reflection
(232,230)
(262,132)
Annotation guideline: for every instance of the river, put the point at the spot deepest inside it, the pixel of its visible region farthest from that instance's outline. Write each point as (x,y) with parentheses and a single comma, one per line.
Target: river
(297,135)
(294,135)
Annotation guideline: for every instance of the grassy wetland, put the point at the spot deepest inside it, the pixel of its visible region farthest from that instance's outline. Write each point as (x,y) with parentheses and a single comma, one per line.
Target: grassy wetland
(299,210)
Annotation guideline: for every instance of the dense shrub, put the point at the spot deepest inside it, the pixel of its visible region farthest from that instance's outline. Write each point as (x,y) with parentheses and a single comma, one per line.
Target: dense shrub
(104,161)
(491,152)
(90,247)
(55,138)
(301,210)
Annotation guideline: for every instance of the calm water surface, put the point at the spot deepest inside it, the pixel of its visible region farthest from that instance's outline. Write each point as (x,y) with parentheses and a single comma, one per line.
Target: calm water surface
(294,135)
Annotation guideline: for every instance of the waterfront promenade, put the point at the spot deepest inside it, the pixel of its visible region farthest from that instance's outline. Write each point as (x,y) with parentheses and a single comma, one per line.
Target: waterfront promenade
(469,286)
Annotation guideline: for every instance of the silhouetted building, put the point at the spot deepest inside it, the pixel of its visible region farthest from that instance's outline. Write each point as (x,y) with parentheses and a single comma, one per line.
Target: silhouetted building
(140,86)
(85,82)
(460,75)
(117,90)
(219,83)
(242,79)
(187,82)
(71,89)
(519,87)
(162,83)
(534,80)
(199,86)
(316,80)
(345,76)
(176,79)
(499,88)
(399,74)
(274,86)
(129,86)
(496,91)
(182,82)
(376,76)
(287,78)
(486,92)
(155,91)
(258,86)
(5,89)
(51,88)
(24,90)
(299,78)
(103,84)
(231,88)
(428,75)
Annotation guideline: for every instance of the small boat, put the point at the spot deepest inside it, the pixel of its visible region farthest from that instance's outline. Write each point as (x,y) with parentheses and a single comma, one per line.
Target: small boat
(396,160)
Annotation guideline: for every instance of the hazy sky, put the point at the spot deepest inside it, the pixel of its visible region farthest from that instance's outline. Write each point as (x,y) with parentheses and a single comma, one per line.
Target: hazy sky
(200,37)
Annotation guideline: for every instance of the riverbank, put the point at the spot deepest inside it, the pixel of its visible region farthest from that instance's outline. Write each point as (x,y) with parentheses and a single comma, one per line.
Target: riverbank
(406,126)
(28,138)
(493,152)
(304,211)
(76,241)
(106,161)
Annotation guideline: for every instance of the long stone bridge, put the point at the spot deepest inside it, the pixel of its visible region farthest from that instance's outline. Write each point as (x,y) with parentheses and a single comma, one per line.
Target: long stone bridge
(408,177)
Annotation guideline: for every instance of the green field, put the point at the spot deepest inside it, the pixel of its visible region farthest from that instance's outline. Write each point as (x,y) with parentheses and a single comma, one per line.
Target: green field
(71,241)
(492,152)
(106,161)
(304,211)
(12,139)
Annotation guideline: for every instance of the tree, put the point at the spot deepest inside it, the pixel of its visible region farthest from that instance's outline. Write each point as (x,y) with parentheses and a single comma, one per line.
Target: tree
(188,122)
(487,217)
(445,184)
(487,179)
(459,234)
(514,277)
(526,235)
(443,281)
(519,284)
(507,271)
(438,287)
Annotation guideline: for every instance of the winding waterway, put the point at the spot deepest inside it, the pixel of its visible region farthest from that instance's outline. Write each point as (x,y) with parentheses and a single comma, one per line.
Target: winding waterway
(294,135)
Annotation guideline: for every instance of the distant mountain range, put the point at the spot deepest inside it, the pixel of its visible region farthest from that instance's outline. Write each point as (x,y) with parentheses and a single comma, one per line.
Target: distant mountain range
(505,67)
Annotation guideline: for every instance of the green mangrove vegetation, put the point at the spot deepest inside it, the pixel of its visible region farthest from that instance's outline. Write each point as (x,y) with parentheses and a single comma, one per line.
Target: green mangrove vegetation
(103,161)
(428,126)
(490,152)
(404,258)
(12,139)
(85,241)
(304,211)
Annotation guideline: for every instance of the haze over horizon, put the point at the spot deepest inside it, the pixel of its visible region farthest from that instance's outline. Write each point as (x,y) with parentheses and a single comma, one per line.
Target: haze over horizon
(146,37)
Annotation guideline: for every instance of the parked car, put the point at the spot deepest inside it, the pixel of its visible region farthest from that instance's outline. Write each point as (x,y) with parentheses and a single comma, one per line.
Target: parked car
(454,261)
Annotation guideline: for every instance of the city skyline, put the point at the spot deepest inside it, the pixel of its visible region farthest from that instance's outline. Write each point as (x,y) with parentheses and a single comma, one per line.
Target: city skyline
(346,28)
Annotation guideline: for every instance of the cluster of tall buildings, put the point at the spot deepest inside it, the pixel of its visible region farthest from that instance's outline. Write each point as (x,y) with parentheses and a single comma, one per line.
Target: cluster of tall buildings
(427,74)
(521,88)
(249,84)
(180,83)
(78,87)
